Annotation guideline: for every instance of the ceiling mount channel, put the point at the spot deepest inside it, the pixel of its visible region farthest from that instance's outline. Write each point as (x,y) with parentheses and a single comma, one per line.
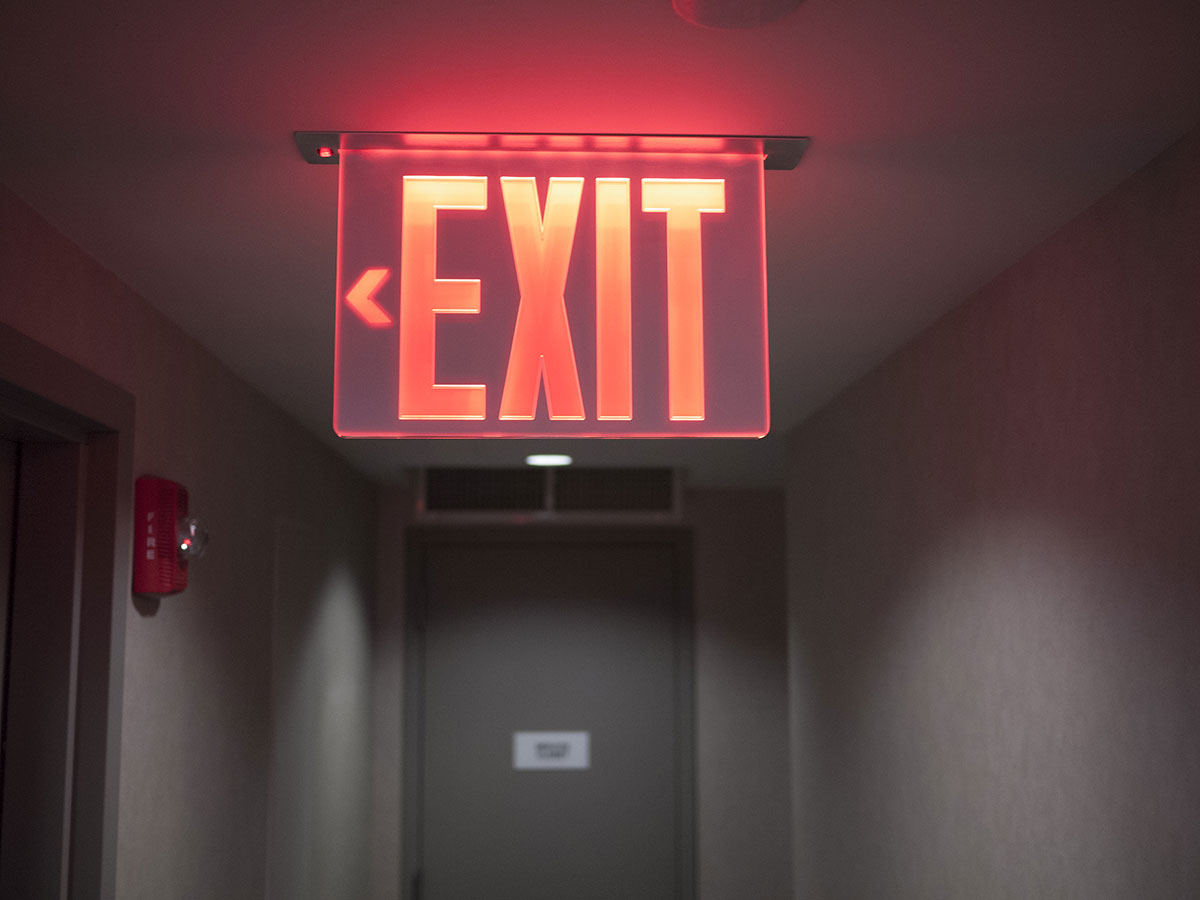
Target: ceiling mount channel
(322,148)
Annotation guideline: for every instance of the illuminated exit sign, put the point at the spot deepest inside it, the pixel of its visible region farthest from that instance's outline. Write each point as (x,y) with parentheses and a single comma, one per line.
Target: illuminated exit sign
(550,285)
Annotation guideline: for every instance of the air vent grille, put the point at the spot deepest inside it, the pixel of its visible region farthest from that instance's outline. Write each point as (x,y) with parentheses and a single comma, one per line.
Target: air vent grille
(447,492)
(484,490)
(608,490)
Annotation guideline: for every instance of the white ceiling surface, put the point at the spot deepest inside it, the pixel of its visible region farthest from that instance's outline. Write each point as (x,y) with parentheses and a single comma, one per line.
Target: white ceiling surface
(949,137)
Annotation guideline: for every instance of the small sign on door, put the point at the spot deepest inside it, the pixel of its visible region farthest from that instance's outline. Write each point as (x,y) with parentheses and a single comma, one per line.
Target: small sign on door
(539,751)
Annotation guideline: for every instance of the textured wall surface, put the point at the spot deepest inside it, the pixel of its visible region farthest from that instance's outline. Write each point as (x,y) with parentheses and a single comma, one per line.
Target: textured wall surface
(994,582)
(245,666)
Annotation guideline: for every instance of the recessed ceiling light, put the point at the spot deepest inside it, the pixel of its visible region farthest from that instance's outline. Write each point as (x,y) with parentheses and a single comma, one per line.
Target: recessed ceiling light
(548,459)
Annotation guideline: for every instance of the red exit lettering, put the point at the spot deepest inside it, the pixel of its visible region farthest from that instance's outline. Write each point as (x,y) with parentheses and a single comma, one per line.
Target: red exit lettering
(542,356)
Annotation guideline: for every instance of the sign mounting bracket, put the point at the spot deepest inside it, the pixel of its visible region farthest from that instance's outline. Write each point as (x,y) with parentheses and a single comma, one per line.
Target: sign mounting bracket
(780,153)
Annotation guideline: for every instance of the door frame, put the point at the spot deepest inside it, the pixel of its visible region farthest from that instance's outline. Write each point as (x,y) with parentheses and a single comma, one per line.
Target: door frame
(73,424)
(420,540)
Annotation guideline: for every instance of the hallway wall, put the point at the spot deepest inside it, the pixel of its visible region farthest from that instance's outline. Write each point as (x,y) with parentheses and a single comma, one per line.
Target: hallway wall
(994,582)
(743,823)
(244,742)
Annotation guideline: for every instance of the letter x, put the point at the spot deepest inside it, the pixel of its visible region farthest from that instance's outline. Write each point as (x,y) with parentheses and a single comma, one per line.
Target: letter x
(541,346)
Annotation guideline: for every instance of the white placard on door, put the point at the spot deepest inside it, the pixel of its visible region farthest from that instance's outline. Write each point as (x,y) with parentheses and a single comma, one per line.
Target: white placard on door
(543,751)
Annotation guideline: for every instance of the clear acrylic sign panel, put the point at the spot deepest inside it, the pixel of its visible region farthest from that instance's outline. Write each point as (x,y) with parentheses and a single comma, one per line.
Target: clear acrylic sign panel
(557,286)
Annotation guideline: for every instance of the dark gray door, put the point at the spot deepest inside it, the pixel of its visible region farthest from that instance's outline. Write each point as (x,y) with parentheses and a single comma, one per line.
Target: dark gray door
(553,636)
(8,493)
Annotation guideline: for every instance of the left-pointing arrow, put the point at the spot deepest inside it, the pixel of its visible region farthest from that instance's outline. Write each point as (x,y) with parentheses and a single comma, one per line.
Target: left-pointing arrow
(361,298)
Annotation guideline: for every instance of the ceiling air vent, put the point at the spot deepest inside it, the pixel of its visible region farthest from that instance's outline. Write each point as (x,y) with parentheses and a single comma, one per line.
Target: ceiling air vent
(548,493)
(606,490)
(484,490)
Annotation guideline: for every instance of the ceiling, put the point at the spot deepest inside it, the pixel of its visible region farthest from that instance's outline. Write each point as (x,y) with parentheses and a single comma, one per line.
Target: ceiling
(948,138)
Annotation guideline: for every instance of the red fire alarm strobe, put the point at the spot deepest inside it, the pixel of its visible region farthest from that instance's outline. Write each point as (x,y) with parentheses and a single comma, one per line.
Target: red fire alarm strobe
(165,538)
(551,286)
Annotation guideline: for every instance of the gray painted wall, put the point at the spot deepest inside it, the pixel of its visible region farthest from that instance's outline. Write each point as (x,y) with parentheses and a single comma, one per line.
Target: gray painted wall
(253,662)
(994,582)
(387,678)
(742,773)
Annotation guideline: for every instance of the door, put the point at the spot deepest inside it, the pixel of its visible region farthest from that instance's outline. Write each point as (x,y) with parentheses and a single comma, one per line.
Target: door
(585,636)
(69,582)
(8,494)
